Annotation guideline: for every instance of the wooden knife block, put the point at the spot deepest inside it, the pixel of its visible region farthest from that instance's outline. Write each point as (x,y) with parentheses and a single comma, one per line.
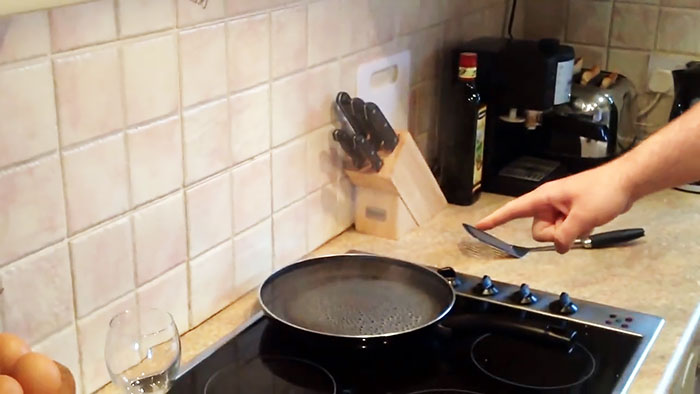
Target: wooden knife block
(400,197)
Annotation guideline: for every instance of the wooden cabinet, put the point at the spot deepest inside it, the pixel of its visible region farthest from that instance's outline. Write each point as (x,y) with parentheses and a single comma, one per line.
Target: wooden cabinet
(8,7)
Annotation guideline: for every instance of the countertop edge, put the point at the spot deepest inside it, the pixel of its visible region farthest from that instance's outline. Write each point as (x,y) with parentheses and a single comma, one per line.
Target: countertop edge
(673,368)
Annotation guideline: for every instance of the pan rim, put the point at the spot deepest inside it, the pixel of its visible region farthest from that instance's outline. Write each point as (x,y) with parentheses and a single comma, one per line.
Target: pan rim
(279,271)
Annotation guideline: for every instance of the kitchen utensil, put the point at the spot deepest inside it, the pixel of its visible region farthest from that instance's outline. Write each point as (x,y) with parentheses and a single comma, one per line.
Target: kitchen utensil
(356,296)
(363,126)
(600,240)
(143,350)
(380,128)
(385,81)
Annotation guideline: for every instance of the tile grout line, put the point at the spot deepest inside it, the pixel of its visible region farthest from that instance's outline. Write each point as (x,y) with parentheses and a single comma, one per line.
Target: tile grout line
(270,136)
(65,240)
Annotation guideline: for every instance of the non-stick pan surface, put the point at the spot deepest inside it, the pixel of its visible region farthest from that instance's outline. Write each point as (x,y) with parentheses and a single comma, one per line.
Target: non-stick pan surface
(356,296)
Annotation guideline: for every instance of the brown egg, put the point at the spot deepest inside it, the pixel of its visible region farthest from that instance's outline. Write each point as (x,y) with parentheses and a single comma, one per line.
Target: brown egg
(37,374)
(9,386)
(12,348)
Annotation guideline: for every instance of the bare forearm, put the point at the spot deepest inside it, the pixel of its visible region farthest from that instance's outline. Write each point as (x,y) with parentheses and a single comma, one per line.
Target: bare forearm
(670,157)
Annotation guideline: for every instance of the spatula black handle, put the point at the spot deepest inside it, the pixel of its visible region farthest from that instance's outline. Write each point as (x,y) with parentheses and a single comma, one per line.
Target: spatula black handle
(614,237)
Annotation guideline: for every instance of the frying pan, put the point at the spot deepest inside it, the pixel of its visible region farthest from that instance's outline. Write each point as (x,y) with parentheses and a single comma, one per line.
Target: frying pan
(356,296)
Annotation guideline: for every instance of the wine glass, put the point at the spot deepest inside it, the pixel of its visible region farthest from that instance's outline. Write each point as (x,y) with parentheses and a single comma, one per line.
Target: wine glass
(143,351)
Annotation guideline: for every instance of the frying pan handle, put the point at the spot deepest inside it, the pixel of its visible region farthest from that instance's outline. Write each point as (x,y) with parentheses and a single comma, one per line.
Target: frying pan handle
(550,334)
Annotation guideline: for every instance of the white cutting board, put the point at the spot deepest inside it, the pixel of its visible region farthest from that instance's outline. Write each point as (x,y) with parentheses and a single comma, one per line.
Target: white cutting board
(385,82)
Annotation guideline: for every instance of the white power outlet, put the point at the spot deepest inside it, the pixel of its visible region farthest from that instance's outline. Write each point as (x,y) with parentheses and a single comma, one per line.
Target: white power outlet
(659,70)
(661,81)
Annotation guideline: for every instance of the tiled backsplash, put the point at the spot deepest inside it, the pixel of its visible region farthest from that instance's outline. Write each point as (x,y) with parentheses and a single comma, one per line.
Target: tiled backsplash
(621,35)
(153,152)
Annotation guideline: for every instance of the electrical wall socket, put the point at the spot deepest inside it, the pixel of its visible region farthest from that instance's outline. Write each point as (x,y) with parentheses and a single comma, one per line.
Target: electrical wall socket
(659,70)
(661,81)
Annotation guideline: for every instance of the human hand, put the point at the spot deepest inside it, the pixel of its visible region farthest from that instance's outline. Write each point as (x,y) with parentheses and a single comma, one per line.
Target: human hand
(569,208)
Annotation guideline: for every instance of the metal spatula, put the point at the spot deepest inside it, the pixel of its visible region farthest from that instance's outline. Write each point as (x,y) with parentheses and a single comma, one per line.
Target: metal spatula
(600,240)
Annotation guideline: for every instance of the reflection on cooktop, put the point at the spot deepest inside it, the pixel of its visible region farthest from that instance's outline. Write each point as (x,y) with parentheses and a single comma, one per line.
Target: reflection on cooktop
(273,375)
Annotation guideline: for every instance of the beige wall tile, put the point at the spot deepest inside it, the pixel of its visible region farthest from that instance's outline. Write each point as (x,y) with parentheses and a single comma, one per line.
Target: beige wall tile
(323,83)
(82,24)
(168,293)
(211,282)
(28,113)
(545,19)
(678,30)
(324,40)
(252,251)
(103,266)
(240,7)
(426,48)
(24,36)
(96,181)
(323,158)
(367,23)
(289,232)
(189,13)
(209,213)
(203,63)
(588,22)
(33,213)
(252,193)
(207,144)
(288,173)
(288,41)
(321,220)
(250,123)
(145,16)
(155,159)
(289,108)
(632,64)
(150,78)
(92,336)
(634,26)
(160,238)
(38,294)
(592,55)
(88,90)
(63,347)
(248,51)
(681,3)
(423,107)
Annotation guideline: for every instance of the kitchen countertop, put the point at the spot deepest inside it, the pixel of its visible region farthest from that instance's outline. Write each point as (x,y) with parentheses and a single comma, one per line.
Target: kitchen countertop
(658,274)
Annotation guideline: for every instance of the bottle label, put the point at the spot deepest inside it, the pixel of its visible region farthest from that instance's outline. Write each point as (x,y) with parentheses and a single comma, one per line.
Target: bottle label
(479,149)
(467,72)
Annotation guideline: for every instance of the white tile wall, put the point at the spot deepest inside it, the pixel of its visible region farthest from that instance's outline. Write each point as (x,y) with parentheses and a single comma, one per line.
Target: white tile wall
(155,153)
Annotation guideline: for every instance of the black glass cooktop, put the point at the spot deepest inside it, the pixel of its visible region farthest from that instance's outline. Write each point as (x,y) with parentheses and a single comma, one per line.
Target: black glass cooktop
(472,357)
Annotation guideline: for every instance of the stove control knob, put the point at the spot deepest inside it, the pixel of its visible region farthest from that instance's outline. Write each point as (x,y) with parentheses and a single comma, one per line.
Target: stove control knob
(486,287)
(524,296)
(450,275)
(564,305)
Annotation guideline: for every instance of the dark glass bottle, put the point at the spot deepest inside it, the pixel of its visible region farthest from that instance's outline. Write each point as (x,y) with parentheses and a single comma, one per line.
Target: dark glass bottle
(463,159)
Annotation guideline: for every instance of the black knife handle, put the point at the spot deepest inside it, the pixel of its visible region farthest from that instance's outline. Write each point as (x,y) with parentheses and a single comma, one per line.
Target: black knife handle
(347,142)
(367,150)
(381,127)
(615,237)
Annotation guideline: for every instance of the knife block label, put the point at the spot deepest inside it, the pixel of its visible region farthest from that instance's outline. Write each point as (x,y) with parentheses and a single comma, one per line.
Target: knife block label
(375,213)
(479,149)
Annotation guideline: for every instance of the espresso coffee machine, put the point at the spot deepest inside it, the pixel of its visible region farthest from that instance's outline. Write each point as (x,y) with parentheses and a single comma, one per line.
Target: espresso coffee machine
(518,80)
(686,84)
(541,124)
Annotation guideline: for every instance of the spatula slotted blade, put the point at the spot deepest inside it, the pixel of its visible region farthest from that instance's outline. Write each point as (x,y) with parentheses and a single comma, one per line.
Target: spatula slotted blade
(512,250)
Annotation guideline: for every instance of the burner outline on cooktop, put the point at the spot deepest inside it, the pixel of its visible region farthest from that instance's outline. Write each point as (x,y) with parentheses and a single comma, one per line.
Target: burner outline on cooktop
(262,357)
(579,381)
(433,391)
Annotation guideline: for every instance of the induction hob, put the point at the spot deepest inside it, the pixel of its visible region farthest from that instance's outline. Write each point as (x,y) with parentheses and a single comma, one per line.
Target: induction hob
(549,344)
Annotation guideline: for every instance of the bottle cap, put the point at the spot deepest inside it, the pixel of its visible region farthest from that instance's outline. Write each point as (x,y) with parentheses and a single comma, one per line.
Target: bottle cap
(467,65)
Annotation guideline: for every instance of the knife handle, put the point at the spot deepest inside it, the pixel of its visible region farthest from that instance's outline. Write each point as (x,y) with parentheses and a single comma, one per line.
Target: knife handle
(610,238)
